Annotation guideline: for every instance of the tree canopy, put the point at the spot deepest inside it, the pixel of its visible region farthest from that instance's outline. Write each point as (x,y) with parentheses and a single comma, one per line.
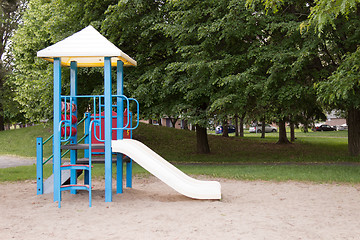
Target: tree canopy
(269,60)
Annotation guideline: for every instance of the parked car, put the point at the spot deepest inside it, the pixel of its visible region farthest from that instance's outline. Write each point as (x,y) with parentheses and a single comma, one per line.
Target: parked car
(258,128)
(219,129)
(324,127)
(342,127)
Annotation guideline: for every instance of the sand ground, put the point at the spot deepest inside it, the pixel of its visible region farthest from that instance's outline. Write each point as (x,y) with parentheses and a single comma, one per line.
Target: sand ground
(152,210)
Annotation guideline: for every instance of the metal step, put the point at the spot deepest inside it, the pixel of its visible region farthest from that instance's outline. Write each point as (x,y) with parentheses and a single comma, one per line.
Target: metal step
(100,160)
(82,146)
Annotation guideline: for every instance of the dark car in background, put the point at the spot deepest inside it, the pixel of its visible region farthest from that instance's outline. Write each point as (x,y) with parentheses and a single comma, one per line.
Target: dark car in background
(324,127)
(219,129)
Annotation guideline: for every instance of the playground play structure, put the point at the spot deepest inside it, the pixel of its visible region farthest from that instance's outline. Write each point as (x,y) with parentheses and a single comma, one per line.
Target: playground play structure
(108,128)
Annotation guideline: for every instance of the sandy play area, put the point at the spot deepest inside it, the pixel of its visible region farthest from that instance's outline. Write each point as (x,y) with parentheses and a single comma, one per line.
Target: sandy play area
(152,210)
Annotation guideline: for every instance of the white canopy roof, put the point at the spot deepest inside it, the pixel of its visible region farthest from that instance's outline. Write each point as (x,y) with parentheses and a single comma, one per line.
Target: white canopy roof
(88,48)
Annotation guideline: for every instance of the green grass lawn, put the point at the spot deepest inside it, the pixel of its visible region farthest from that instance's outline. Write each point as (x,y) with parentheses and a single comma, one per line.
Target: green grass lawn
(307,173)
(310,158)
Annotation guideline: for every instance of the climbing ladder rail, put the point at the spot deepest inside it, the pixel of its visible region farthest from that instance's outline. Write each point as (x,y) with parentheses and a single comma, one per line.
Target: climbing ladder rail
(40,158)
(82,167)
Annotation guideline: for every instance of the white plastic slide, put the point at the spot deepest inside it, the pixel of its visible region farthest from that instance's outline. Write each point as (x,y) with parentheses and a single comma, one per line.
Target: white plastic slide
(167,172)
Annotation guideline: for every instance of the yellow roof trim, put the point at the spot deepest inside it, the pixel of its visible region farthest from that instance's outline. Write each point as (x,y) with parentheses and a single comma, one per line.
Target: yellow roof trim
(96,61)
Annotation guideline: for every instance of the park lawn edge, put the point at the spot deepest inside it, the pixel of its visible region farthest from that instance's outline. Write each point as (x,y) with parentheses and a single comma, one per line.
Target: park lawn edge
(277,173)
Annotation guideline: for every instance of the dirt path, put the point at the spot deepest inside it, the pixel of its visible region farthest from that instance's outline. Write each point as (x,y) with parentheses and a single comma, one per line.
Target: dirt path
(14,161)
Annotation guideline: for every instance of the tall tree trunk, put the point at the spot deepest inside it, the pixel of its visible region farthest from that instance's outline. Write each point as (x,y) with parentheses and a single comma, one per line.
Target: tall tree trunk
(263,129)
(225,128)
(282,133)
(242,125)
(160,121)
(236,125)
(353,122)
(306,124)
(306,127)
(173,121)
(186,126)
(202,140)
(292,132)
(2,120)
(150,121)
(2,125)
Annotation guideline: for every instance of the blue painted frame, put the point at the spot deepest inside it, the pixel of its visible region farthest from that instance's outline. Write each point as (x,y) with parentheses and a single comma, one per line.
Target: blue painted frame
(129,164)
(86,131)
(120,123)
(57,134)
(39,166)
(108,129)
(73,139)
(104,101)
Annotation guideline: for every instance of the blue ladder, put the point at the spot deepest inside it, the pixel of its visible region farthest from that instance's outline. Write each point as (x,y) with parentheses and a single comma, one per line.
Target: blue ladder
(78,186)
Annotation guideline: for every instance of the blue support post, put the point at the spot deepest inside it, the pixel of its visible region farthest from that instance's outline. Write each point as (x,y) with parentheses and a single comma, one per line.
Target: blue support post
(108,129)
(73,139)
(39,165)
(120,124)
(56,129)
(129,174)
(129,164)
(86,131)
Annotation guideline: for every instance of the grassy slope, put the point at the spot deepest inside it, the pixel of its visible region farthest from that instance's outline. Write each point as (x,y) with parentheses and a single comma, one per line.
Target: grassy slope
(22,142)
(179,146)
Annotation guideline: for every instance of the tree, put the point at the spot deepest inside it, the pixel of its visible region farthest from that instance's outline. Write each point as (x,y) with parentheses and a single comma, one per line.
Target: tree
(340,33)
(290,65)
(44,23)
(134,25)
(10,13)
(342,91)
(175,45)
(213,39)
(337,23)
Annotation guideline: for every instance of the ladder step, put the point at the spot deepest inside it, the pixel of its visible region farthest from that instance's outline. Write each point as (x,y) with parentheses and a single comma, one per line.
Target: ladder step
(75,167)
(74,187)
(100,160)
(82,146)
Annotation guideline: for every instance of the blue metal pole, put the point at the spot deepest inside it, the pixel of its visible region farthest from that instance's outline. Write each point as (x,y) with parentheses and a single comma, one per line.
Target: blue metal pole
(86,130)
(73,139)
(39,165)
(120,123)
(57,135)
(87,141)
(120,104)
(108,129)
(129,164)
